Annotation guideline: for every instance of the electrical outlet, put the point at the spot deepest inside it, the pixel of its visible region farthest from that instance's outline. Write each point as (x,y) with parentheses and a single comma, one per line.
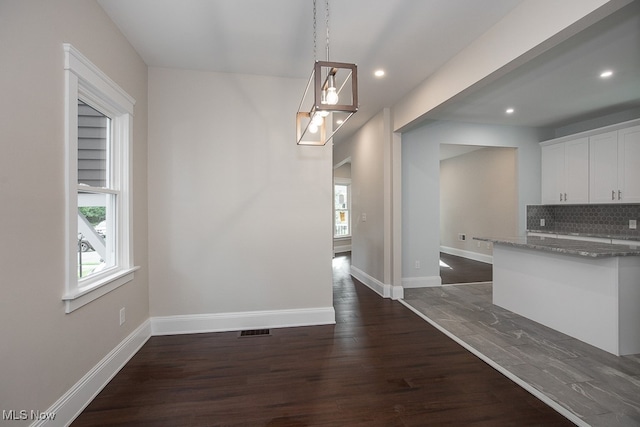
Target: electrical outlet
(542,222)
(462,237)
(417,264)
(633,224)
(364,217)
(122,318)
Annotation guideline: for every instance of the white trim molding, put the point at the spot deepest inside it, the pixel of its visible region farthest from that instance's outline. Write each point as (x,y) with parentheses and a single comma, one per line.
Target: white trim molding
(85,82)
(226,322)
(421,282)
(476,256)
(78,298)
(78,397)
(93,77)
(384,290)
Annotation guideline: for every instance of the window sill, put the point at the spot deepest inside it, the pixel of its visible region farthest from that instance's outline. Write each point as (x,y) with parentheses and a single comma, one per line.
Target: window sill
(83,296)
(342,237)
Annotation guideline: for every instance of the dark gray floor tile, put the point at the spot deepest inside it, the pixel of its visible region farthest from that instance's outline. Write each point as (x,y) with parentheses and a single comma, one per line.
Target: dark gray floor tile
(599,387)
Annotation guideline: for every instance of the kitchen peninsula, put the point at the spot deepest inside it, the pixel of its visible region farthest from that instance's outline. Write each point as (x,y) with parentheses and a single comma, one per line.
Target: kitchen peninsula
(585,289)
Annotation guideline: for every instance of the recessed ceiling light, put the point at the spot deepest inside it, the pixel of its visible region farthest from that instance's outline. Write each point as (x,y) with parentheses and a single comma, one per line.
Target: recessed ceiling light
(510,111)
(339,122)
(379,73)
(606,74)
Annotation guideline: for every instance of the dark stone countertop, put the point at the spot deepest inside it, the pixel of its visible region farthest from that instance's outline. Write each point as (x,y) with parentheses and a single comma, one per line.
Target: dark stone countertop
(567,246)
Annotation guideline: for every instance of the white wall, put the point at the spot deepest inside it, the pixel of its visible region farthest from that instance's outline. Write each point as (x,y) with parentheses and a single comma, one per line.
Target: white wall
(478,198)
(44,351)
(420,209)
(240,217)
(421,186)
(366,151)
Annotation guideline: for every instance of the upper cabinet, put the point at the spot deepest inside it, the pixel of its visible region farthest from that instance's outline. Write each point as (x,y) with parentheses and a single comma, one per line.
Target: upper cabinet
(600,166)
(565,172)
(603,176)
(629,164)
(615,166)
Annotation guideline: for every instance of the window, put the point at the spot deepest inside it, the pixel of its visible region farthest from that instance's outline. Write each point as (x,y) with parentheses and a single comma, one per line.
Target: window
(98,116)
(342,206)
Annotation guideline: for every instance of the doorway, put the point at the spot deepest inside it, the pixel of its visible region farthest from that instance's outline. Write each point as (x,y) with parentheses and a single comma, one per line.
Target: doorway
(342,218)
(478,198)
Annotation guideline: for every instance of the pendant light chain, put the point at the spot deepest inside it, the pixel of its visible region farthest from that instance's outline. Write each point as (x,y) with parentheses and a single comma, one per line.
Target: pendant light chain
(327,25)
(315,36)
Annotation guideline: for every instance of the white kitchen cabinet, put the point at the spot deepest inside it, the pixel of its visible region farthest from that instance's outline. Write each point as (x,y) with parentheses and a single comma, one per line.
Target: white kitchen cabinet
(629,164)
(565,172)
(603,170)
(614,172)
(596,166)
(552,173)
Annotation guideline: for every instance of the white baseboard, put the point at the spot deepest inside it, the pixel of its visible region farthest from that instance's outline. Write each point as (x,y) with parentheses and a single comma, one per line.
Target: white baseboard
(421,282)
(73,402)
(225,322)
(384,290)
(467,254)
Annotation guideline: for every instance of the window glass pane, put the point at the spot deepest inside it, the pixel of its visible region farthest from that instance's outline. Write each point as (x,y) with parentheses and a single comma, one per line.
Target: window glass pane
(93,137)
(342,223)
(341,197)
(341,207)
(95,233)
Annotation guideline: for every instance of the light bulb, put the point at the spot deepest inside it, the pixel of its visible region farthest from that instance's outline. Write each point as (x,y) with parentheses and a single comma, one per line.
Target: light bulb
(313,128)
(332,96)
(317,120)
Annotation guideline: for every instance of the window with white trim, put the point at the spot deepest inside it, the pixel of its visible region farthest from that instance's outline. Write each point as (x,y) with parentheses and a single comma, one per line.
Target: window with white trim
(342,208)
(98,132)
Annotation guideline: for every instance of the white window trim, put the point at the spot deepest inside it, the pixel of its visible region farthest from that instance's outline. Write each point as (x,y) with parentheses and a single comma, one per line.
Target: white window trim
(347,182)
(83,80)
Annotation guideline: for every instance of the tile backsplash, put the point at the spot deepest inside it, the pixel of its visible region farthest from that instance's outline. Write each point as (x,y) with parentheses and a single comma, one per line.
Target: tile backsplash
(595,220)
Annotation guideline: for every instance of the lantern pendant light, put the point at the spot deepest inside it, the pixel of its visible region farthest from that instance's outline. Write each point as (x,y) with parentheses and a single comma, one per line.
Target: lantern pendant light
(330,97)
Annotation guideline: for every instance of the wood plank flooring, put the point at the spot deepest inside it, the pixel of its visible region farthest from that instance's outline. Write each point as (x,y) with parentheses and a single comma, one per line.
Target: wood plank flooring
(455,269)
(380,365)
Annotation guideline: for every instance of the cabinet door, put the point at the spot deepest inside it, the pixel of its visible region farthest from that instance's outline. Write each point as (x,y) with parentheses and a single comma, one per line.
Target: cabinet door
(603,170)
(629,164)
(576,188)
(552,174)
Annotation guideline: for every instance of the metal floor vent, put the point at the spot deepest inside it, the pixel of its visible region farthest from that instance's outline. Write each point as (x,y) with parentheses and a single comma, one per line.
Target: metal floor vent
(255,333)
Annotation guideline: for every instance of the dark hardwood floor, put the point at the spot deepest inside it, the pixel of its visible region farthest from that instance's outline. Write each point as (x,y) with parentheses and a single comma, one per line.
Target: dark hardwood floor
(380,365)
(455,269)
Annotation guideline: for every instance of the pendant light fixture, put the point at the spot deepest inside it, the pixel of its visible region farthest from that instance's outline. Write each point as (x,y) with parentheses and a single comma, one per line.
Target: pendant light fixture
(330,98)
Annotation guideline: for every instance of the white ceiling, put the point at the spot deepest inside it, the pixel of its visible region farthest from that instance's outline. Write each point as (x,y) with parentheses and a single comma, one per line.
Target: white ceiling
(563,85)
(409,39)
